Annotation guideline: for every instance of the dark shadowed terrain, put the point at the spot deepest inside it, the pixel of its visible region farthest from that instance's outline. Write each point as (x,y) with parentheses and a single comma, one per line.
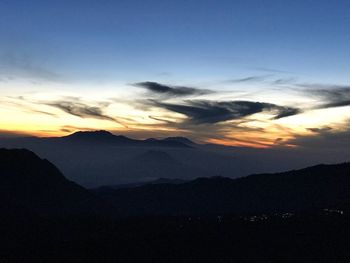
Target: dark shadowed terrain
(296,216)
(314,188)
(35,186)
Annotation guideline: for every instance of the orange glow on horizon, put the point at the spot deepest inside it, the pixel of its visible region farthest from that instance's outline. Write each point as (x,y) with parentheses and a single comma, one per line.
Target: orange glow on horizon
(237,143)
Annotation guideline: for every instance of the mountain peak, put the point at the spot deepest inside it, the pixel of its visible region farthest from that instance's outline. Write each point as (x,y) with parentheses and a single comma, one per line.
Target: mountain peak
(97,136)
(92,134)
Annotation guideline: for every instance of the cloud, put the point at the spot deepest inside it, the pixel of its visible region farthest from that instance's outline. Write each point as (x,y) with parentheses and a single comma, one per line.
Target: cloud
(265,78)
(5,134)
(171,91)
(20,66)
(249,79)
(278,141)
(21,103)
(331,96)
(283,81)
(82,110)
(283,112)
(209,112)
(160,119)
(43,112)
(71,128)
(325,139)
(320,130)
(272,70)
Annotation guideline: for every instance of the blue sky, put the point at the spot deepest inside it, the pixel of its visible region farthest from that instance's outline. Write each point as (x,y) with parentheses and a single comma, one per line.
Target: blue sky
(193,40)
(100,51)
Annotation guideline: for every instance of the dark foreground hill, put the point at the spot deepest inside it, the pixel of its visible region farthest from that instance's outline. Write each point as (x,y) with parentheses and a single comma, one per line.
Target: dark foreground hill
(65,231)
(33,186)
(315,188)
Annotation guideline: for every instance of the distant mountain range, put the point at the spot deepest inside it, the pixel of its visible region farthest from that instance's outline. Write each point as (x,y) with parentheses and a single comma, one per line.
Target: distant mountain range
(31,185)
(183,140)
(314,188)
(97,158)
(133,185)
(107,137)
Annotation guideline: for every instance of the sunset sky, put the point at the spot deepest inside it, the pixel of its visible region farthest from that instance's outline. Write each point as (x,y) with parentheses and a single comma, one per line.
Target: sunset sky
(243,73)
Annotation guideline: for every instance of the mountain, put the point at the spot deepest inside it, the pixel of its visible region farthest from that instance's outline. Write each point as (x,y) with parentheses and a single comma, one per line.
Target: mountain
(34,185)
(96,158)
(167,181)
(133,185)
(317,187)
(97,136)
(149,165)
(183,140)
(30,185)
(105,137)
(156,157)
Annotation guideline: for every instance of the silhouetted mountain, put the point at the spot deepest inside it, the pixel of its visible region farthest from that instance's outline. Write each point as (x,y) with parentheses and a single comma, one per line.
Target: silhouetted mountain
(318,187)
(31,186)
(93,159)
(183,140)
(35,186)
(105,137)
(132,185)
(164,143)
(167,181)
(150,165)
(97,136)
(156,157)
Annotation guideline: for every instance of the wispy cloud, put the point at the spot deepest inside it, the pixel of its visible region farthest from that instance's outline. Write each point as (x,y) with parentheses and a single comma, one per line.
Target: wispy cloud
(320,130)
(329,96)
(20,66)
(81,110)
(205,111)
(171,91)
(283,111)
(26,106)
(272,70)
(326,137)
(283,81)
(249,79)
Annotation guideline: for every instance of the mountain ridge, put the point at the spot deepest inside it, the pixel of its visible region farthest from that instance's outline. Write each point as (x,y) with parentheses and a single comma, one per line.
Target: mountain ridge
(108,137)
(316,187)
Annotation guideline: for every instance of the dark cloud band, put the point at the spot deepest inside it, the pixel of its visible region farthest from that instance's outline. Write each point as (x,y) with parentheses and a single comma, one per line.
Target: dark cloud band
(204,111)
(331,96)
(171,91)
(82,110)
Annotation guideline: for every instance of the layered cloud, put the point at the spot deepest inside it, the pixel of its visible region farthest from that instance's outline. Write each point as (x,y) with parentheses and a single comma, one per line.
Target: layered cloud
(14,66)
(171,91)
(330,96)
(326,138)
(250,79)
(81,110)
(206,111)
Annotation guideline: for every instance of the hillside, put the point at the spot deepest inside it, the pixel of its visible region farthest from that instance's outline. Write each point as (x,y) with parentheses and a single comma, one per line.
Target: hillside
(313,188)
(35,186)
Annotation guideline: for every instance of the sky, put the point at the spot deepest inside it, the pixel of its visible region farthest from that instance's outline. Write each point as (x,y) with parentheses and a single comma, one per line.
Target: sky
(241,73)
